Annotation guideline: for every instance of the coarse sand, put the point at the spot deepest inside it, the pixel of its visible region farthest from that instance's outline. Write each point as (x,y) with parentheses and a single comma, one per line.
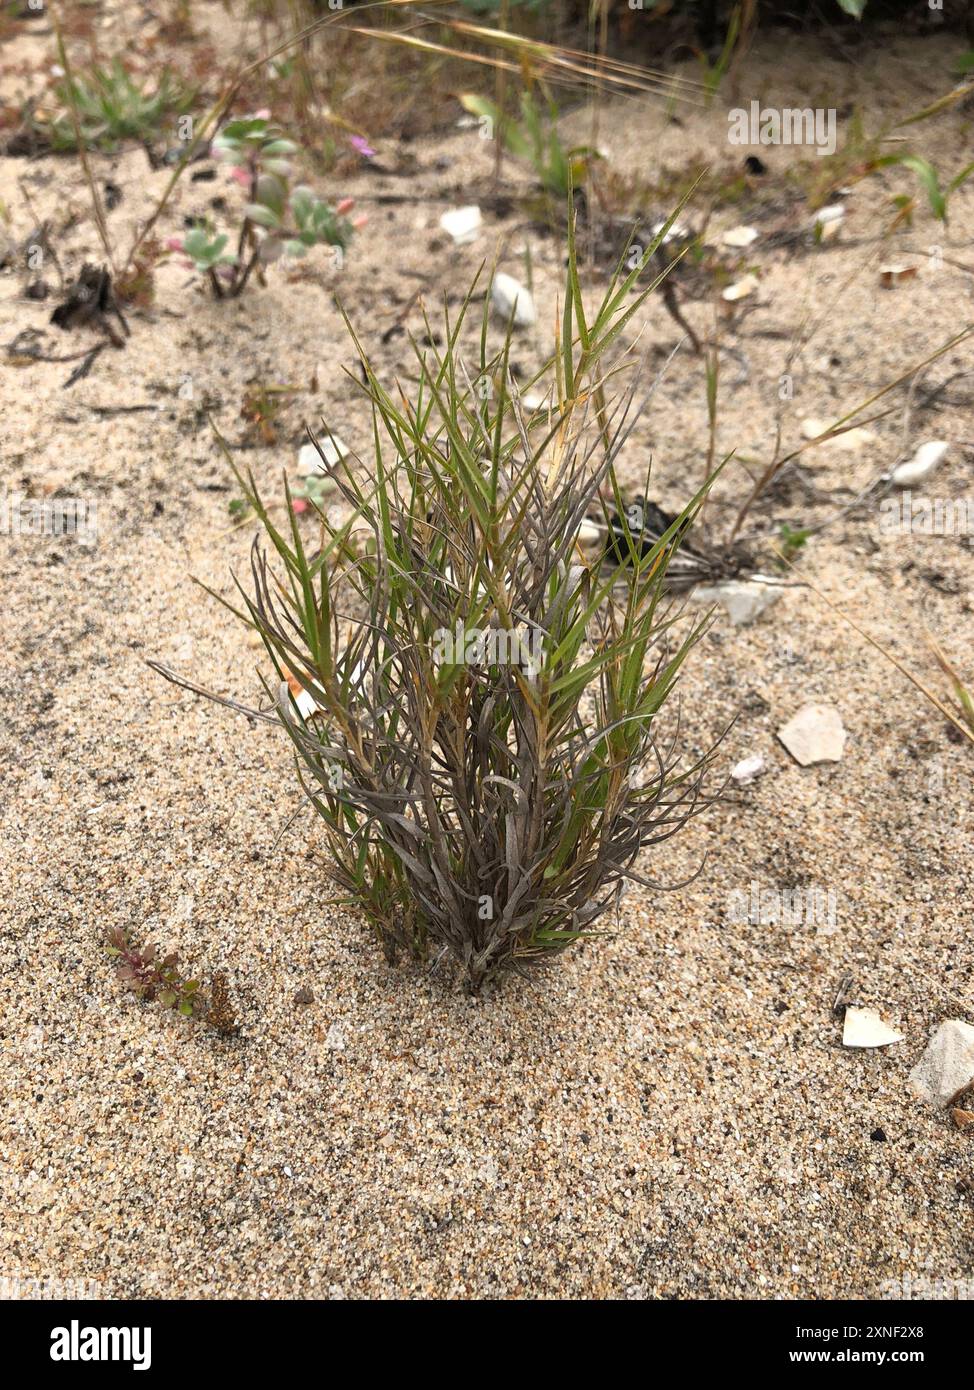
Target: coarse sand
(667,1113)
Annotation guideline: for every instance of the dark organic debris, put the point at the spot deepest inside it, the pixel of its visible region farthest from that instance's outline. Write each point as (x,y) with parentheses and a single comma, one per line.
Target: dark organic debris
(91,302)
(220,1014)
(643,526)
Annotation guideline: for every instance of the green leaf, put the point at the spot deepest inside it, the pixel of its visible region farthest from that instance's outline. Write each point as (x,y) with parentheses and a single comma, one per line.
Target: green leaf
(927,175)
(263,216)
(280,147)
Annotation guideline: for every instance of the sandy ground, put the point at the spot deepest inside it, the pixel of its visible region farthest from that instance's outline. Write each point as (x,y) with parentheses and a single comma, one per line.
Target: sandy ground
(668,1113)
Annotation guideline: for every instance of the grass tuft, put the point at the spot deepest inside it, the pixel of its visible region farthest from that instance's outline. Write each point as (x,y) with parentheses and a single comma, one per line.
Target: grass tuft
(473,705)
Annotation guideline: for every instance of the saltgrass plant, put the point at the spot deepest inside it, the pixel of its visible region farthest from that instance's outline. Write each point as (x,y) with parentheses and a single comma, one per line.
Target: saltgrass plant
(472,704)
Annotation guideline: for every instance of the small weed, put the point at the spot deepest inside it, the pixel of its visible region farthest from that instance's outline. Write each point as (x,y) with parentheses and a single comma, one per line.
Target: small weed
(261,408)
(535,139)
(140,968)
(938,194)
(111,106)
(158,978)
(791,542)
(136,286)
(278,219)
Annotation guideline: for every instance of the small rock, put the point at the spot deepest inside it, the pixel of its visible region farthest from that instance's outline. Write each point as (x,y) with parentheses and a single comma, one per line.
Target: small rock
(740,289)
(849,441)
(304,996)
(814,735)
(676,233)
(865,1028)
(963,1119)
(748,768)
(828,221)
(335,1039)
(739,237)
(310,462)
(891,275)
(462,224)
(946,1069)
(591,536)
(878,1136)
(508,296)
(928,457)
(744,599)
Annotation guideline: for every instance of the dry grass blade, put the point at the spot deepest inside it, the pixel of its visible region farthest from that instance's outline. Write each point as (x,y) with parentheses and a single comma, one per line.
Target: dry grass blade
(96,201)
(893,660)
(962,692)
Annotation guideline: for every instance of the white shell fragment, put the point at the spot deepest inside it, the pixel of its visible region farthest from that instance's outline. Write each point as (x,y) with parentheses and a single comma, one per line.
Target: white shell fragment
(865,1028)
(849,440)
(507,295)
(304,701)
(744,599)
(306,704)
(748,768)
(828,221)
(740,289)
(891,275)
(590,536)
(676,233)
(462,224)
(311,462)
(739,237)
(928,457)
(814,735)
(946,1069)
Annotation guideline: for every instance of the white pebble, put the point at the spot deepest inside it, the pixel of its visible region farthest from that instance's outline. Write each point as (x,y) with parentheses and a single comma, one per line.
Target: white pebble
(927,458)
(508,295)
(462,224)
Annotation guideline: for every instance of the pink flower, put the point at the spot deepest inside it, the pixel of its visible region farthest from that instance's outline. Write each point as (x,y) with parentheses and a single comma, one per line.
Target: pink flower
(344,206)
(264,114)
(298,505)
(359,222)
(241,174)
(174,243)
(362,146)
